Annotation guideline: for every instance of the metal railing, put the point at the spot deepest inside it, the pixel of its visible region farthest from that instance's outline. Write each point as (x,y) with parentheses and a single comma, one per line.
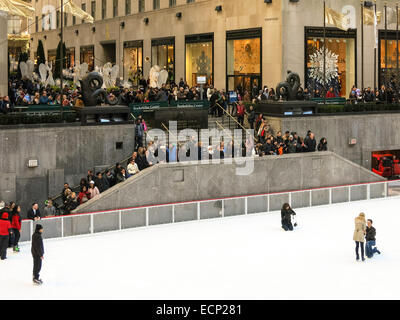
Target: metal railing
(113,220)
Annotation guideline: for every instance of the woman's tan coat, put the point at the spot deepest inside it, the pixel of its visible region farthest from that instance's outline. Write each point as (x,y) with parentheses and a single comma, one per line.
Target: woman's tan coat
(359,231)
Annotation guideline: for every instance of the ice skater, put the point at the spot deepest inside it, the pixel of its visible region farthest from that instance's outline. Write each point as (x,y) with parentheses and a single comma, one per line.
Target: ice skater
(286,217)
(37,253)
(359,234)
(5,231)
(16,227)
(370,248)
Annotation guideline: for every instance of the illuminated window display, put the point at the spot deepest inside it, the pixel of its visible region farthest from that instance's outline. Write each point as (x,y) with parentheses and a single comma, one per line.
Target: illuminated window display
(388,67)
(87,55)
(340,59)
(199,58)
(51,58)
(70,57)
(133,61)
(243,60)
(163,55)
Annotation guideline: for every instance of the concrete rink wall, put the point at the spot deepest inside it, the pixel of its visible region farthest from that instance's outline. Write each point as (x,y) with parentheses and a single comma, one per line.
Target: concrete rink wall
(90,223)
(182,182)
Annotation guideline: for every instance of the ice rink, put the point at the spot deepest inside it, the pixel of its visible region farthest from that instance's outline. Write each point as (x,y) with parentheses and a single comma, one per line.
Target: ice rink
(246,257)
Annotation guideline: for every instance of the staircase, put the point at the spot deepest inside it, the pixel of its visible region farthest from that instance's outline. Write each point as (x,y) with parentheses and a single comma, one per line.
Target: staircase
(225,121)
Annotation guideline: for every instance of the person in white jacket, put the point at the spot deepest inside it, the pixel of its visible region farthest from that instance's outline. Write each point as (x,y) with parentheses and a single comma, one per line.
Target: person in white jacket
(93,190)
(132,168)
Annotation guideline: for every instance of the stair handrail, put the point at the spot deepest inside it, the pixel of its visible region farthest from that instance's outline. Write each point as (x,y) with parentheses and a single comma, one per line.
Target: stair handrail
(255,138)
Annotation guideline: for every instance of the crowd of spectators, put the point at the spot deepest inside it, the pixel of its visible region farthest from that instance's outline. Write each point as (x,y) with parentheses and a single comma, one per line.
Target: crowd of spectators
(27,92)
(148,154)
(266,143)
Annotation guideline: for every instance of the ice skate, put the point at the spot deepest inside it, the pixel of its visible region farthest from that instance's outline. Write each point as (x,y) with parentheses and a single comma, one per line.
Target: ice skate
(37,282)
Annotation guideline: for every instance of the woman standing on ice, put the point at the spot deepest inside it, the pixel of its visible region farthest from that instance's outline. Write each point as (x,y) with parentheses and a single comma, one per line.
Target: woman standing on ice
(359,233)
(286,217)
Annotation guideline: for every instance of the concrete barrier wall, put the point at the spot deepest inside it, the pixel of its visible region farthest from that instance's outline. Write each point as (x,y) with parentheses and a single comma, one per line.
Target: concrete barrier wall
(374,132)
(66,226)
(171,183)
(64,154)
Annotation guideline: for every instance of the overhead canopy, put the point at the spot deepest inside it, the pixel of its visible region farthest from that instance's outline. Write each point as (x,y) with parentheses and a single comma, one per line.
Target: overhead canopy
(23,9)
(17,8)
(73,9)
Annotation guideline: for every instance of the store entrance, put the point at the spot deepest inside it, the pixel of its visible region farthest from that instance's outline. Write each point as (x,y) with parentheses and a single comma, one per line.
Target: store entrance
(109,50)
(243,60)
(244,83)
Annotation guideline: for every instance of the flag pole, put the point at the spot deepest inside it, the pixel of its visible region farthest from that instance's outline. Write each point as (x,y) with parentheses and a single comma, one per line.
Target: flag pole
(62,54)
(362,45)
(386,52)
(324,88)
(375,50)
(397,49)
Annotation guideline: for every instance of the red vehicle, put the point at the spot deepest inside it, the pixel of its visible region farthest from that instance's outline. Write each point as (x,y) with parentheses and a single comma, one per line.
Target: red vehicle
(386,165)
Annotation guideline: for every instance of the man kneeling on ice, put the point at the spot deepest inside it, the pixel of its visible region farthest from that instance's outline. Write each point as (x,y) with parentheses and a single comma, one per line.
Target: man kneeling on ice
(370,238)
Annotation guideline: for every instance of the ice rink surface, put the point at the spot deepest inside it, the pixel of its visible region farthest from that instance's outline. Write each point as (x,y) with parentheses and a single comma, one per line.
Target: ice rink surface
(246,257)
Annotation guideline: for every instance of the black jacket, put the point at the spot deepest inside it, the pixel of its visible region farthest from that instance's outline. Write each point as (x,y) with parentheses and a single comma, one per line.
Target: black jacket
(370,234)
(267,149)
(37,245)
(31,215)
(142,162)
(322,146)
(311,144)
(100,184)
(252,117)
(286,216)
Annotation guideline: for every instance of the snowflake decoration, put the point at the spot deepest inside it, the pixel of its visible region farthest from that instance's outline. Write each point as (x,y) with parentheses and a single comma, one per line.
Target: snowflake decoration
(317,65)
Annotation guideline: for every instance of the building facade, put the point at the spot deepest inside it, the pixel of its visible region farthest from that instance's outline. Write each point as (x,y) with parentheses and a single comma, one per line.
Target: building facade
(233,43)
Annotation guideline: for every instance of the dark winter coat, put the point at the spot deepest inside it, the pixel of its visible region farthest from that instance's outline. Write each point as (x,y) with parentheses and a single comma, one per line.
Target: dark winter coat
(5,225)
(99,183)
(286,216)
(267,148)
(37,245)
(252,117)
(322,146)
(371,233)
(311,144)
(292,146)
(142,162)
(31,214)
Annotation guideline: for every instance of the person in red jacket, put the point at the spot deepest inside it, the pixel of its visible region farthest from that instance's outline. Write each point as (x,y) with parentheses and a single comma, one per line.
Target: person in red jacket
(16,227)
(331,94)
(240,113)
(5,230)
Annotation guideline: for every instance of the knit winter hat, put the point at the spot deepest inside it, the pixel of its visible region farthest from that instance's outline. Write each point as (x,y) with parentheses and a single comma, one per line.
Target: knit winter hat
(39,227)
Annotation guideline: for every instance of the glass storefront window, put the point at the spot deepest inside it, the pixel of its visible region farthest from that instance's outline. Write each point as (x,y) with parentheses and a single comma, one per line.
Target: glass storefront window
(133,64)
(51,58)
(340,64)
(243,64)
(199,62)
(87,55)
(388,72)
(70,57)
(163,55)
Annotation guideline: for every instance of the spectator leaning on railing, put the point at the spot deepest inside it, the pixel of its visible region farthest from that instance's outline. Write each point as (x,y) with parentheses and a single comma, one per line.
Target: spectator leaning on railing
(34,212)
